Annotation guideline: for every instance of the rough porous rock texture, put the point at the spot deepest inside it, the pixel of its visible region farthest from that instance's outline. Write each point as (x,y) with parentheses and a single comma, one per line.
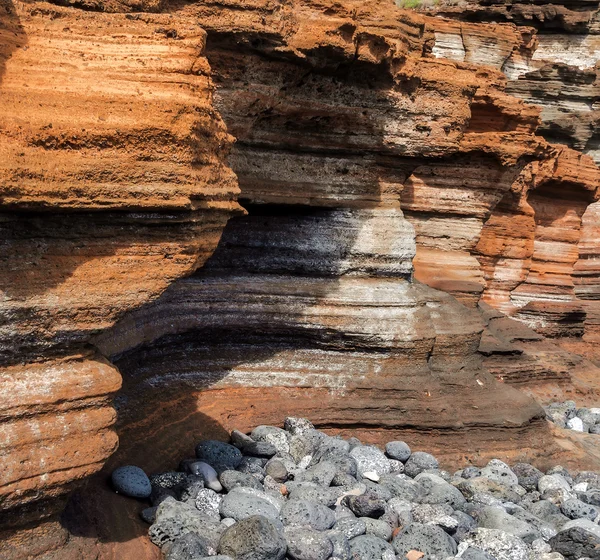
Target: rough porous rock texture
(418,235)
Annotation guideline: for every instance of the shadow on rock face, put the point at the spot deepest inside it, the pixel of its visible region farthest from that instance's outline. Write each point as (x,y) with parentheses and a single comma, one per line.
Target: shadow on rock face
(96,512)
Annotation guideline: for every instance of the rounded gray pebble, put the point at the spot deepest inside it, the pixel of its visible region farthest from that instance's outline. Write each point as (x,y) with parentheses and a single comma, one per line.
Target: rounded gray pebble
(576,509)
(310,514)
(307,544)
(240,505)
(418,462)
(398,450)
(430,539)
(370,547)
(378,528)
(188,547)
(232,479)
(219,455)
(131,481)
(253,538)
(351,527)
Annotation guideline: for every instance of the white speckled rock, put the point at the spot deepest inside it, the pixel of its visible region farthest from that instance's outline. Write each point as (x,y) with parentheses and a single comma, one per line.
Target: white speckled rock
(498,544)
(500,472)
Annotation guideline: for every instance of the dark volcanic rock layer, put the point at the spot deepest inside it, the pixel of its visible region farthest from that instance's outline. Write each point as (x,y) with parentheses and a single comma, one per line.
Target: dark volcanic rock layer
(390,182)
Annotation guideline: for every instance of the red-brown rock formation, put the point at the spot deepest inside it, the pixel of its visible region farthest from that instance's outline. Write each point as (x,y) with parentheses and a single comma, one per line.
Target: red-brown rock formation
(392,182)
(113,183)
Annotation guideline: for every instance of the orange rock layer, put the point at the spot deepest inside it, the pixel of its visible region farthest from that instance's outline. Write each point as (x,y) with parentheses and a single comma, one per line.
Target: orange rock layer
(390,184)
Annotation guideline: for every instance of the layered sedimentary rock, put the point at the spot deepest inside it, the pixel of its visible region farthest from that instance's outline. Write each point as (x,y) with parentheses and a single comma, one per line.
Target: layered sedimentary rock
(113,183)
(390,184)
(532,254)
(347,135)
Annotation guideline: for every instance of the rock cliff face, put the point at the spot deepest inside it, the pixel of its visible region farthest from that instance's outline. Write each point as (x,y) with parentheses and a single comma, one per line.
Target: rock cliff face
(401,193)
(113,184)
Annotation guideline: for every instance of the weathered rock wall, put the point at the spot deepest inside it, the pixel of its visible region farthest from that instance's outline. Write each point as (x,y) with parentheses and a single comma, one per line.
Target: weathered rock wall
(113,183)
(391,184)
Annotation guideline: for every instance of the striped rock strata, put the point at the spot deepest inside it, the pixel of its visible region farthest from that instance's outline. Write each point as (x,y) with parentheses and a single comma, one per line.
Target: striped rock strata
(113,183)
(369,170)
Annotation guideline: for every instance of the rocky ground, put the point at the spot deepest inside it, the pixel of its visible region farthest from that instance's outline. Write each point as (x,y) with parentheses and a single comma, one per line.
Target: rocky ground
(297,493)
(567,415)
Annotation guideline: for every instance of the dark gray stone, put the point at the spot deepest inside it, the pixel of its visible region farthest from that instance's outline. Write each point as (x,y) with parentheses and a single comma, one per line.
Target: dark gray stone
(382,492)
(171,479)
(398,450)
(429,539)
(351,527)
(527,475)
(343,479)
(188,547)
(370,547)
(591,497)
(576,509)
(175,519)
(219,455)
(160,494)
(277,470)
(500,472)
(131,481)
(322,474)
(192,486)
(259,449)
(498,518)
(470,472)
(545,529)
(253,538)
(562,471)
(437,491)
(254,466)
(277,437)
(307,514)
(481,485)
(312,493)
(402,487)
(592,479)
(240,439)
(330,449)
(366,505)
(378,528)
(465,525)
(476,554)
(418,462)
(233,479)
(341,545)
(148,514)
(578,539)
(307,544)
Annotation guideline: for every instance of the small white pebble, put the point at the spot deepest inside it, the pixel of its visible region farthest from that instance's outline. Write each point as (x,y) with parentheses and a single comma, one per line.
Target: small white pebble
(371,475)
(304,462)
(581,487)
(575,424)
